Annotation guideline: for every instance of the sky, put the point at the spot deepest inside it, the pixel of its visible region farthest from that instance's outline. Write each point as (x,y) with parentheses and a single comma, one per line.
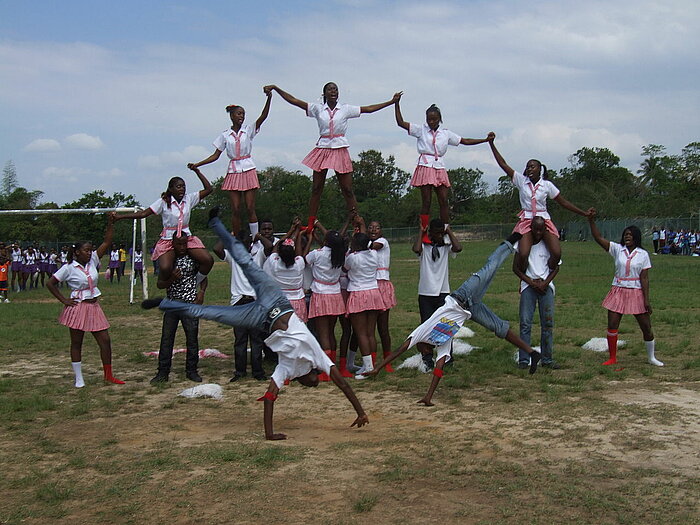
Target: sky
(120,96)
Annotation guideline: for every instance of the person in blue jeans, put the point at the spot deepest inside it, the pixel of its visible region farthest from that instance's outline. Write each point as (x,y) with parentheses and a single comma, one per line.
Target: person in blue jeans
(300,356)
(537,289)
(463,304)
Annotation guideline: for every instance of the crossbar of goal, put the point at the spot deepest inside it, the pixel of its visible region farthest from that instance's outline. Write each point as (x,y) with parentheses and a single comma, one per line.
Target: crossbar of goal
(134,209)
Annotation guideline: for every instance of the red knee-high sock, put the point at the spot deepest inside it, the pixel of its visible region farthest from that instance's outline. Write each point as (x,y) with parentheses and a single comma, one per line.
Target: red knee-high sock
(323,376)
(344,368)
(333,355)
(388,367)
(424,221)
(374,358)
(310,227)
(109,377)
(612,347)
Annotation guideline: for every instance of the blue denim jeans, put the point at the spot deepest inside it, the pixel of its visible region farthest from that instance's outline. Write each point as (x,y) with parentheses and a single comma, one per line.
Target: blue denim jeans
(471,292)
(269,298)
(528,300)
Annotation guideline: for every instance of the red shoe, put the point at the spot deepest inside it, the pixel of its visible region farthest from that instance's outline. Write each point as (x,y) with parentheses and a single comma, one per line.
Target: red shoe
(323,377)
(612,361)
(343,368)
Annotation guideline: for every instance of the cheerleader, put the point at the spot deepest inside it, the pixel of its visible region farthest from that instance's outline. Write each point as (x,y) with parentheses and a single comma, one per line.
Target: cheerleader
(534,188)
(43,264)
(430,173)
(326,300)
(364,299)
(174,207)
(53,262)
(113,267)
(138,263)
(241,177)
(16,266)
(630,287)
(29,268)
(331,151)
(82,312)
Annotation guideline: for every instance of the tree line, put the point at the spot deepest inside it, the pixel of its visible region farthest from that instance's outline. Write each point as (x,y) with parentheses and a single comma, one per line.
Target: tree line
(665,185)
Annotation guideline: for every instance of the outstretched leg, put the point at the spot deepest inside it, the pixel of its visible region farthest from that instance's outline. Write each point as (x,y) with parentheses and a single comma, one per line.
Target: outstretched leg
(474,288)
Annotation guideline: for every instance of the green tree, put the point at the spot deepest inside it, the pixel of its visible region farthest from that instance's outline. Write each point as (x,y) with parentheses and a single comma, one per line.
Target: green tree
(9,179)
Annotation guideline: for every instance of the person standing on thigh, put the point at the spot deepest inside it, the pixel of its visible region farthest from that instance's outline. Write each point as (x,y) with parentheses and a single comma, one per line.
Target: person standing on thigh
(537,289)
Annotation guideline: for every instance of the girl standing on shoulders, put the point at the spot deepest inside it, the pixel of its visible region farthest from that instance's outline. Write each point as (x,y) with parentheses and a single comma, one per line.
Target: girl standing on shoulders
(241,176)
(82,312)
(534,189)
(174,207)
(331,151)
(630,287)
(430,173)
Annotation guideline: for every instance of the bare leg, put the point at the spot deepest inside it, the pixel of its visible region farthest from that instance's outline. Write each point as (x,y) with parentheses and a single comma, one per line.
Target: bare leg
(644,322)
(437,375)
(318,182)
(614,320)
(383,329)
(345,182)
(203,258)
(105,344)
(359,323)
(323,327)
(524,246)
(165,264)
(76,345)
(426,199)
(442,192)
(249,196)
(235,198)
(554,247)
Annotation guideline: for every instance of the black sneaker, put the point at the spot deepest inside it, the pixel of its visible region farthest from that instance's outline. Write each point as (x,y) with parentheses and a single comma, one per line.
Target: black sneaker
(236,377)
(514,237)
(194,376)
(534,359)
(147,304)
(214,212)
(160,378)
(523,366)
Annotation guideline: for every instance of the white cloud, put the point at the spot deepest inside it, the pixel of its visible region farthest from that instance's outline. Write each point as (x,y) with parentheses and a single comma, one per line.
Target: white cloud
(173,158)
(42,145)
(84,141)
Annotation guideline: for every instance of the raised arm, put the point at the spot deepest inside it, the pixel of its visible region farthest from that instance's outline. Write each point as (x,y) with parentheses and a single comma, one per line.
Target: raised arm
(418,243)
(211,158)
(456,245)
(286,96)
(474,142)
(381,105)
(104,247)
(559,199)
(499,159)
(399,117)
(205,182)
(602,241)
(265,111)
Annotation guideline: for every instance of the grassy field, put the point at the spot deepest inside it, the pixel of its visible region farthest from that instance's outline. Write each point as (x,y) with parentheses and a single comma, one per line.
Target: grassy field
(584,444)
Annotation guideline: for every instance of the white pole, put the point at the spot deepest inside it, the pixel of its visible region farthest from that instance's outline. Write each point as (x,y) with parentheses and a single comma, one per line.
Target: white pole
(133,250)
(144,281)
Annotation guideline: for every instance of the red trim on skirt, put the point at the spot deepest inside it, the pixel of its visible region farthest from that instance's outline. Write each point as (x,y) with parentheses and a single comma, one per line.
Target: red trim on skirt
(84,316)
(625,300)
(386,290)
(336,159)
(364,300)
(166,245)
(242,181)
(426,176)
(326,304)
(300,309)
(524,226)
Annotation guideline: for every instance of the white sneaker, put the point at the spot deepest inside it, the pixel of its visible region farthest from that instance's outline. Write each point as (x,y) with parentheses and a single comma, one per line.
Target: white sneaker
(6,301)
(655,362)
(353,368)
(358,374)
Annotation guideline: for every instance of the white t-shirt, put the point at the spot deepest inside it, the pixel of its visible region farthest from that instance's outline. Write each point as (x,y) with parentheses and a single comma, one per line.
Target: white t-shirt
(74,276)
(384,259)
(177,211)
(239,283)
(325,276)
(542,189)
(537,264)
(238,147)
(291,279)
(441,327)
(434,275)
(298,352)
(432,145)
(257,251)
(332,124)
(628,266)
(362,270)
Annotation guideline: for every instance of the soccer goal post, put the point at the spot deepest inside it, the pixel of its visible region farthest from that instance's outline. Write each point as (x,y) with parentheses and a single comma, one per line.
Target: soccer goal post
(66,211)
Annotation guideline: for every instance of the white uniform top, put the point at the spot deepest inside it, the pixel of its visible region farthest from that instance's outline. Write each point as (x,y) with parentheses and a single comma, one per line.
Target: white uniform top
(441,327)
(138,257)
(628,266)
(291,279)
(298,352)
(537,264)
(662,234)
(362,270)
(384,259)
(64,257)
(239,283)
(432,145)
(325,276)
(176,214)
(52,258)
(238,147)
(332,124)
(29,257)
(17,255)
(114,256)
(44,257)
(74,276)
(434,277)
(257,251)
(542,190)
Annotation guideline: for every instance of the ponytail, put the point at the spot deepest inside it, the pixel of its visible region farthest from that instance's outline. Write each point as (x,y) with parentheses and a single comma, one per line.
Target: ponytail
(335,242)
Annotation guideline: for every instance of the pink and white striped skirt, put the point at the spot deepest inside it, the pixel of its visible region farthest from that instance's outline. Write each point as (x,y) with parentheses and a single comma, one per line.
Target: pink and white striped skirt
(242,181)
(336,159)
(165,245)
(524,226)
(425,176)
(386,289)
(326,304)
(625,300)
(300,309)
(363,300)
(84,316)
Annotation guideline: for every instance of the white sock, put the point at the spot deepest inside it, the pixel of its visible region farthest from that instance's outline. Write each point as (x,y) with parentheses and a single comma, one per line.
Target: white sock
(200,278)
(651,346)
(350,361)
(253,228)
(78,371)
(367,363)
